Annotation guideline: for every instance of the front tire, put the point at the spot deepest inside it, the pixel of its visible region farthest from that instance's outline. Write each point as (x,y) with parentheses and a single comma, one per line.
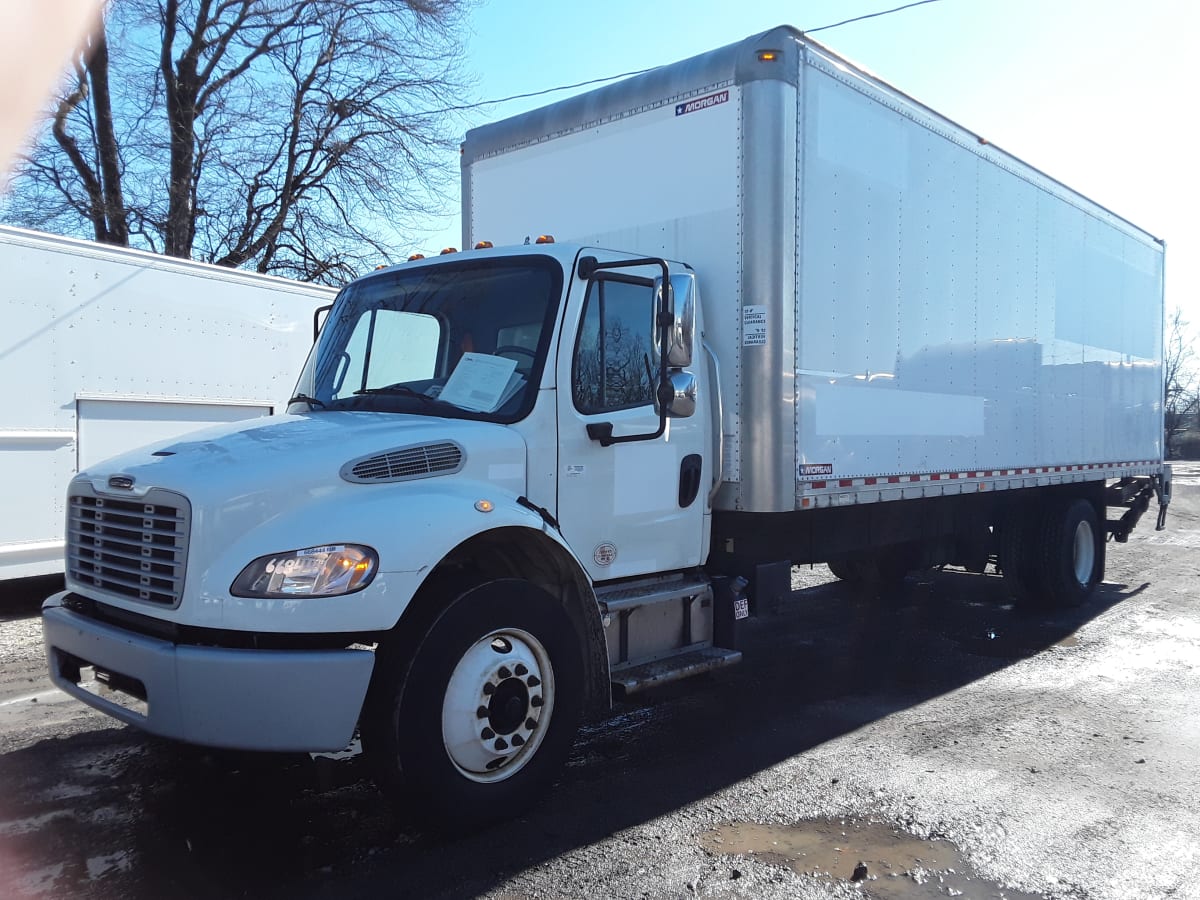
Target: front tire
(473,728)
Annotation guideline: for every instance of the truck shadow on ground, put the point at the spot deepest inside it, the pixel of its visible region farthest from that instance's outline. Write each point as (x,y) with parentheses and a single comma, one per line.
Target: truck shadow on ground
(827,662)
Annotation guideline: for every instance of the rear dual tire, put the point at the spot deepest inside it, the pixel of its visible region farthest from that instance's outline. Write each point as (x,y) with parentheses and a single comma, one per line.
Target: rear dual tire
(886,567)
(1053,555)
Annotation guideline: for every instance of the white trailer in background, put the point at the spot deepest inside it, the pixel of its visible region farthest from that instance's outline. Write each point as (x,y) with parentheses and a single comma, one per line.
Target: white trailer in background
(106,349)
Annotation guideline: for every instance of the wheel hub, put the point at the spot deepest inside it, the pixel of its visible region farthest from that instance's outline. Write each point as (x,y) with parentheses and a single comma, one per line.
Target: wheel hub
(509,706)
(497,704)
(1084,552)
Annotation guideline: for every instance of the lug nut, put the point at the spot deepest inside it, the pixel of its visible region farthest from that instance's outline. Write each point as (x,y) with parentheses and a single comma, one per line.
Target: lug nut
(535,702)
(487,734)
(531,724)
(504,672)
(517,740)
(521,670)
(501,744)
(489,689)
(533,681)
(482,713)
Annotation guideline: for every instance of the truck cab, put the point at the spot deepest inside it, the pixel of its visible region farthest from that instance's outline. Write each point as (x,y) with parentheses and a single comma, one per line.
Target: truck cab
(479,446)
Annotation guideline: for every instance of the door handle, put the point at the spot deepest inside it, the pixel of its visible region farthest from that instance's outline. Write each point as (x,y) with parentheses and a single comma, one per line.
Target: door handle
(689,479)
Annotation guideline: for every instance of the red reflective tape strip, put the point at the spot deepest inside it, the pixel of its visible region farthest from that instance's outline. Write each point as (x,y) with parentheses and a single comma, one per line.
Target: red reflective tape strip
(846,482)
(818,484)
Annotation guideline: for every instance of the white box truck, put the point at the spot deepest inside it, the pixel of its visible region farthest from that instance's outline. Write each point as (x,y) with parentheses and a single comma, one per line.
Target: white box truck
(106,349)
(801,318)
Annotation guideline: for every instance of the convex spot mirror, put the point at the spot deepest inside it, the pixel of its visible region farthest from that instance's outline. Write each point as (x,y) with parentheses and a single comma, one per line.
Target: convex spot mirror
(683,396)
(682,307)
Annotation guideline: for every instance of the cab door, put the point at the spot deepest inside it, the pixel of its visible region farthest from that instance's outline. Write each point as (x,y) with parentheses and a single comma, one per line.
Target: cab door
(640,506)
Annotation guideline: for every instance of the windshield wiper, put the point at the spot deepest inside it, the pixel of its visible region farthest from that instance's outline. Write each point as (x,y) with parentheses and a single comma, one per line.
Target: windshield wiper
(312,402)
(401,389)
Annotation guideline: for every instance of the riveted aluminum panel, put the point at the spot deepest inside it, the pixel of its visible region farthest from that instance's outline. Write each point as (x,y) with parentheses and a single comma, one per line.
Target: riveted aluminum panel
(916,300)
(960,310)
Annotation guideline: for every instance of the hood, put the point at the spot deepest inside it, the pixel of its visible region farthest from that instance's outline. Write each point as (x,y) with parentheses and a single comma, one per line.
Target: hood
(293,452)
(282,483)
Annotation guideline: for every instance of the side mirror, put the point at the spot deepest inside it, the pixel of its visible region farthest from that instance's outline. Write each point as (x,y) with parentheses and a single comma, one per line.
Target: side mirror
(682,307)
(683,400)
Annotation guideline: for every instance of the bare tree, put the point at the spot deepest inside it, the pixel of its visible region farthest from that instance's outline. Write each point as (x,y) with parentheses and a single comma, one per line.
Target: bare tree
(297,137)
(1182,397)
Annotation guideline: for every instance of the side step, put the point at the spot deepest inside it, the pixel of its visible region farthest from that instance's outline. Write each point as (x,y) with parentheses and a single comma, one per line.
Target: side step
(628,596)
(651,674)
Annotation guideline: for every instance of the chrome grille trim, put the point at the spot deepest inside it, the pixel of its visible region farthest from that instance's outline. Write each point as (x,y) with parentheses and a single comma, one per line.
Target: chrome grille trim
(405,463)
(130,547)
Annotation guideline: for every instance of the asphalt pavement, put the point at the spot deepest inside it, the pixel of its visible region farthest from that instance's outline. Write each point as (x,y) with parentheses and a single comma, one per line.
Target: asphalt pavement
(933,742)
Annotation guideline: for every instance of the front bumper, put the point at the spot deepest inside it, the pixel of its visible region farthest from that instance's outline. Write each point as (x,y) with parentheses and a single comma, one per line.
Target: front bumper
(279,700)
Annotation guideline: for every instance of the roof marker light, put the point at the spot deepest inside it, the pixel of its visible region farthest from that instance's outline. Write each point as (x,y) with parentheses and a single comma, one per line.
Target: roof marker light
(545,239)
(484,245)
(416,256)
(448,250)
(768,55)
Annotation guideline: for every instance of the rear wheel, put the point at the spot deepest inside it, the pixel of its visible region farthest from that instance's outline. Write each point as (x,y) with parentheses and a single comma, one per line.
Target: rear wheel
(481,721)
(1070,561)
(878,570)
(1017,546)
(844,569)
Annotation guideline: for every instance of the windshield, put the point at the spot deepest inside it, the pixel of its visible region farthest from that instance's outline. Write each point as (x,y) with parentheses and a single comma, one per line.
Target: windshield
(464,339)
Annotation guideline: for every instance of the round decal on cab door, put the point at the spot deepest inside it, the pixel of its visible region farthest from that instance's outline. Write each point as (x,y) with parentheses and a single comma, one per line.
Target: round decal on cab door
(604,554)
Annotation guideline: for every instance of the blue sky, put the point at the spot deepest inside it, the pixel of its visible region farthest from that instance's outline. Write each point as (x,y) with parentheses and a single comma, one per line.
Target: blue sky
(1097,93)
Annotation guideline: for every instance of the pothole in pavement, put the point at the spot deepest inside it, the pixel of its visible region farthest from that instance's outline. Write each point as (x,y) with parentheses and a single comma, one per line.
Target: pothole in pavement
(887,864)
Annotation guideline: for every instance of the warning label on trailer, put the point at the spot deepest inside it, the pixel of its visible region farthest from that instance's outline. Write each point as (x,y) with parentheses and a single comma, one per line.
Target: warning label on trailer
(807,470)
(682,109)
(754,326)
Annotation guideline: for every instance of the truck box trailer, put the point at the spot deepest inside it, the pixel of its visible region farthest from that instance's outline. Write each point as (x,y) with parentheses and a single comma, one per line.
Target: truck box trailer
(800,318)
(106,349)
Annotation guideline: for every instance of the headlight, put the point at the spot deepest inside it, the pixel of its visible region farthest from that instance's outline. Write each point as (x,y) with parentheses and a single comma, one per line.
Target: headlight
(312,572)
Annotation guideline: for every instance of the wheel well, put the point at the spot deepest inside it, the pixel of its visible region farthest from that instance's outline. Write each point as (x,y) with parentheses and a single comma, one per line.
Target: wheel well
(516,552)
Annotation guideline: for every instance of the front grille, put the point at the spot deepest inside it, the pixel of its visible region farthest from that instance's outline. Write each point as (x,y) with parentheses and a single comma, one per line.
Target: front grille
(130,547)
(406,463)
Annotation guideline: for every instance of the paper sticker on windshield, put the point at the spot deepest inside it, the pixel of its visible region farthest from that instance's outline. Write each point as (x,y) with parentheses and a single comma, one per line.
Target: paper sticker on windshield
(707,102)
(605,554)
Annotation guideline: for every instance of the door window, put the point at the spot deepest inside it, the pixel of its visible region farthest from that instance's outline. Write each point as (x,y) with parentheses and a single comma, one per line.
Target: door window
(614,356)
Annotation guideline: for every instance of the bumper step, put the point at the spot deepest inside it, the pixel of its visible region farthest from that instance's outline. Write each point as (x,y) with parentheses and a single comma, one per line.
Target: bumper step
(694,662)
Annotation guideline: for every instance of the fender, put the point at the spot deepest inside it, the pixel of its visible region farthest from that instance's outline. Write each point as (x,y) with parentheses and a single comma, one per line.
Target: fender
(412,526)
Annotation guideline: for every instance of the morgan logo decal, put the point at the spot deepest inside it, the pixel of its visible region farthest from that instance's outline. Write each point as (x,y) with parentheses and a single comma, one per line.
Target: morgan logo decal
(605,554)
(810,469)
(682,109)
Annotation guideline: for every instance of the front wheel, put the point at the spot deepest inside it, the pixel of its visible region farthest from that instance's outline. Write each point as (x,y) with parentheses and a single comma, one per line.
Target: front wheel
(480,721)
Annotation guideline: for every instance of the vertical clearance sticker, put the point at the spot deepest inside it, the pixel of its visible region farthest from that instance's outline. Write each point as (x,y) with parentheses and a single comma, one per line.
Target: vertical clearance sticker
(754,326)
(706,102)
